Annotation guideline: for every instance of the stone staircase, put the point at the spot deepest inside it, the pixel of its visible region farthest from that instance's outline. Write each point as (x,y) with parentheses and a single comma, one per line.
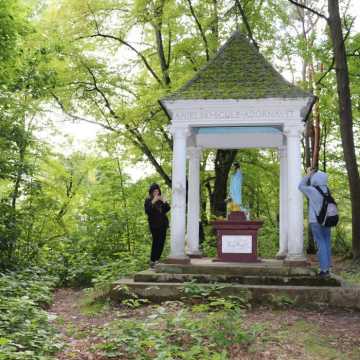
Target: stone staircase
(264,281)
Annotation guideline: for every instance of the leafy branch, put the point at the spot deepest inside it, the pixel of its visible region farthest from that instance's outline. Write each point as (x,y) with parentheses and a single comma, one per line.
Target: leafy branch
(310,9)
(246,23)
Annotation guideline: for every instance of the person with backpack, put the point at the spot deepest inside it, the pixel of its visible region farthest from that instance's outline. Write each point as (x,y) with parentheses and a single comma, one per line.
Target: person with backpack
(156,208)
(322,215)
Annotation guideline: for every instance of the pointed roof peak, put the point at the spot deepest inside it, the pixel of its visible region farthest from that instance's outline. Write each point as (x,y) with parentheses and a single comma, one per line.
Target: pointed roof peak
(237,71)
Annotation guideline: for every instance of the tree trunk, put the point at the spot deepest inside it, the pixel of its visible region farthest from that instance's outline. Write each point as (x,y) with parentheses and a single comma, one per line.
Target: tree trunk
(346,120)
(324,144)
(223,162)
(19,174)
(161,54)
(317,135)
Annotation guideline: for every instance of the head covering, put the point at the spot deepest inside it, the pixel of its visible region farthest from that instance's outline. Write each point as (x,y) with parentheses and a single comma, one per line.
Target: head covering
(319,178)
(153,187)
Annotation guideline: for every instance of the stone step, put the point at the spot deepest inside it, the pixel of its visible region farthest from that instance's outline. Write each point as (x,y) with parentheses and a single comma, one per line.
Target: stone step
(298,280)
(268,268)
(344,297)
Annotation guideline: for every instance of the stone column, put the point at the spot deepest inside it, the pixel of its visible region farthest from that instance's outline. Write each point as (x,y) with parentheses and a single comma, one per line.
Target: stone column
(193,214)
(295,215)
(283,228)
(178,201)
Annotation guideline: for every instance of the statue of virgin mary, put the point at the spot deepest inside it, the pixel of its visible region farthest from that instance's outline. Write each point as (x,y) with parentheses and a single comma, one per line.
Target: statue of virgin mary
(236,181)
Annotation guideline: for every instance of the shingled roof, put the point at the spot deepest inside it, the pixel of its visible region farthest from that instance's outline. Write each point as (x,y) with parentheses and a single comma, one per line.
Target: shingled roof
(237,71)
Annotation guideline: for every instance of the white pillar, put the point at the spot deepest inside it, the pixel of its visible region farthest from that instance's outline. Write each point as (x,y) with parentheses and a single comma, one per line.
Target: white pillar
(295,201)
(193,214)
(283,211)
(178,201)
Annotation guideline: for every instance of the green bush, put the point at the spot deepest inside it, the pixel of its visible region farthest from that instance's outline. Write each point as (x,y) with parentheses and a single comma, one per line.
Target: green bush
(268,240)
(25,328)
(125,265)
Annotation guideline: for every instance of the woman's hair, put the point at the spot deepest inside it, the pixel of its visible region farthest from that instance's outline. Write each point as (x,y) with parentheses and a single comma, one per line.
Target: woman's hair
(153,187)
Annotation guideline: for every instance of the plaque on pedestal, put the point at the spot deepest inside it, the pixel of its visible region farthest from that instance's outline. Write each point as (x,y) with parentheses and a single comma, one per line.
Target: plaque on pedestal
(237,238)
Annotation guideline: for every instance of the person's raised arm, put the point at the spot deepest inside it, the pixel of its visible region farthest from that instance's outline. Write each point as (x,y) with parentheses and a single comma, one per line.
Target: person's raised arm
(304,185)
(166,206)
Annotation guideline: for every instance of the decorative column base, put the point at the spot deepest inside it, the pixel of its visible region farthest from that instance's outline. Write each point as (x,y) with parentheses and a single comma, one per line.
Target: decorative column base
(195,255)
(281,255)
(177,260)
(296,260)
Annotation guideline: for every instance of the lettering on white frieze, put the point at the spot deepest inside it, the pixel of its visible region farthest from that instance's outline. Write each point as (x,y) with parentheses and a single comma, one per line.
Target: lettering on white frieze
(229,114)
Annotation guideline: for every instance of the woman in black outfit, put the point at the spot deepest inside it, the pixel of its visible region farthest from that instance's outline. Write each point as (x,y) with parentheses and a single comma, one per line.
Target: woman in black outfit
(156,208)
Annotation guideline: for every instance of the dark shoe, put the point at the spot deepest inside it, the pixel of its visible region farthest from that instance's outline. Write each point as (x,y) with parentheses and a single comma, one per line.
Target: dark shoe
(324,274)
(152,264)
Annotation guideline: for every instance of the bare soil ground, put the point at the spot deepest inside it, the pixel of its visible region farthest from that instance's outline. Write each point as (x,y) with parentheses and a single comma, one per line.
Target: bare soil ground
(280,333)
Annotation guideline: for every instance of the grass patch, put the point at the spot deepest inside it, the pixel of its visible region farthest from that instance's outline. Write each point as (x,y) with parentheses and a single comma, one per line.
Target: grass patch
(310,336)
(94,308)
(352,277)
(349,270)
(93,303)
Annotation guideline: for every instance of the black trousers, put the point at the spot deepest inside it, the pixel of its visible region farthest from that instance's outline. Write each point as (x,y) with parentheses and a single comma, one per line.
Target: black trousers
(158,242)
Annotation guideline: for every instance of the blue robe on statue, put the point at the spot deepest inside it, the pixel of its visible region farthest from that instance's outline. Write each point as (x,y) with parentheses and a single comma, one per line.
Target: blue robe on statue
(235,187)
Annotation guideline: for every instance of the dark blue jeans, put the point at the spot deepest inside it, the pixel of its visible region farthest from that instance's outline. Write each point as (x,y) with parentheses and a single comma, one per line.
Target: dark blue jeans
(322,236)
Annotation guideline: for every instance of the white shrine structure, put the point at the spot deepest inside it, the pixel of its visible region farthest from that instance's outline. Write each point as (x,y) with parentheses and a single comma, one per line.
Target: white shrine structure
(237,100)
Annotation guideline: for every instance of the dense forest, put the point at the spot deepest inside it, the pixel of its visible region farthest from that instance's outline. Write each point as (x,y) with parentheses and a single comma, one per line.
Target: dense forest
(71,218)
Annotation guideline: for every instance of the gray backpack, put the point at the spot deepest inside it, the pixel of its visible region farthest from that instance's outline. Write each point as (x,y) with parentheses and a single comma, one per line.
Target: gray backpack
(328,215)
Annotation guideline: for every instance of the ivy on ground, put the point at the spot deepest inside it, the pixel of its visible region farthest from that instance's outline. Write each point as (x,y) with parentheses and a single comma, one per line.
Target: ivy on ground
(26,331)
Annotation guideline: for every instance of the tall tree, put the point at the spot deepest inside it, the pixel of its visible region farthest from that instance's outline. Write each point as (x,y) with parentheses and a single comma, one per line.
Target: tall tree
(346,119)
(345,112)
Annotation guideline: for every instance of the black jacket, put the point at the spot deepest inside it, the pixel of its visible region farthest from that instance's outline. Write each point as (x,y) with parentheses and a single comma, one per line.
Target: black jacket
(157,213)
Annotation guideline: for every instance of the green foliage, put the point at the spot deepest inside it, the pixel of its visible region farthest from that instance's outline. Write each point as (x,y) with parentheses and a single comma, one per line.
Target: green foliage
(82,220)
(281,300)
(175,335)
(268,240)
(80,216)
(125,265)
(34,283)
(25,330)
(194,290)
(351,273)
(134,303)
(23,83)
(208,298)
(214,303)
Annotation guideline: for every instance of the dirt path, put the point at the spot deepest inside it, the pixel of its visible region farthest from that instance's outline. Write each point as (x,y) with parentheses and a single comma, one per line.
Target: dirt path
(78,330)
(304,334)
(79,323)
(280,334)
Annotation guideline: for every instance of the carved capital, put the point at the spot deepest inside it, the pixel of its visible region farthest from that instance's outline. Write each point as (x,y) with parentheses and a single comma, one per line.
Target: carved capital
(179,131)
(293,131)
